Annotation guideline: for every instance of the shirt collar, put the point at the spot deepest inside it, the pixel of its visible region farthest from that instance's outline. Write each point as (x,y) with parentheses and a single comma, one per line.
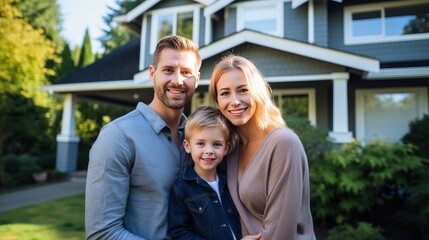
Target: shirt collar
(156,122)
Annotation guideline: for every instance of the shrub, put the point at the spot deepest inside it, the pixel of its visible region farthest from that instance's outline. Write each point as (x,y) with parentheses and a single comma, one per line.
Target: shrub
(418,136)
(415,211)
(348,183)
(19,169)
(314,140)
(363,231)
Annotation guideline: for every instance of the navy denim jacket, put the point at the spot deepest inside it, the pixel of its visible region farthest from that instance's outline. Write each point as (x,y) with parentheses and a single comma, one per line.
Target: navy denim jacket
(196,213)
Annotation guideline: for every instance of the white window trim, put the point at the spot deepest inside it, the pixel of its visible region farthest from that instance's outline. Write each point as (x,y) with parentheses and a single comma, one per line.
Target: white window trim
(360,113)
(348,31)
(174,10)
(279,4)
(310,92)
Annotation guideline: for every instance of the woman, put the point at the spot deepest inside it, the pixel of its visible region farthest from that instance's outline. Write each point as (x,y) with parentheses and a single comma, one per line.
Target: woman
(268,173)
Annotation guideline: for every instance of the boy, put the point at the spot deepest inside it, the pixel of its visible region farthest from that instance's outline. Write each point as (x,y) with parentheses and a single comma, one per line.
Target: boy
(200,205)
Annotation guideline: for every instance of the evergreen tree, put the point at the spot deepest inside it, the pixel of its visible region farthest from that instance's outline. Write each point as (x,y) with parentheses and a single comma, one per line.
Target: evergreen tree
(117,35)
(76,55)
(67,66)
(86,56)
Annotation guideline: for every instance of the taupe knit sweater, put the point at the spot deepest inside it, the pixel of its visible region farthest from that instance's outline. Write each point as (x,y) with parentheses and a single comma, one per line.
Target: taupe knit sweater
(273,195)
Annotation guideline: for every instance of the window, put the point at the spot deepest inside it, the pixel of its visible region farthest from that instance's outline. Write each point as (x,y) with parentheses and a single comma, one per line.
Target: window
(385,114)
(261,16)
(297,103)
(389,22)
(181,21)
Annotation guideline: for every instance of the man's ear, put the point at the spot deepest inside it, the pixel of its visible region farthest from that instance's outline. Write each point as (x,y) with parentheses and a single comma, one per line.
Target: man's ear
(152,73)
(197,79)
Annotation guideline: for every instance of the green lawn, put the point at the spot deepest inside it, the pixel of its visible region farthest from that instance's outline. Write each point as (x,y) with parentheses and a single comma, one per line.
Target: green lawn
(58,219)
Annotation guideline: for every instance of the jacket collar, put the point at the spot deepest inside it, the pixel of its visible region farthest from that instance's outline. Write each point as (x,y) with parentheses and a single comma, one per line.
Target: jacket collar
(191,175)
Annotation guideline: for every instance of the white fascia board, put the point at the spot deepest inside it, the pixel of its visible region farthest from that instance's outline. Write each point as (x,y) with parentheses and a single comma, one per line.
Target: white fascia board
(205,2)
(297,78)
(216,6)
(142,77)
(295,47)
(120,19)
(399,73)
(93,86)
(297,3)
(135,12)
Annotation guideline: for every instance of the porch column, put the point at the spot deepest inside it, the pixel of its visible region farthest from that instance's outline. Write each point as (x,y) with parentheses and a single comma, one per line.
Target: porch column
(340,130)
(67,141)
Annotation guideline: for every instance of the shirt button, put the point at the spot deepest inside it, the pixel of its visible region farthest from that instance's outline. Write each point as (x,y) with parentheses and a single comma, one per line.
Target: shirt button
(215,201)
(200,209)
(223,225)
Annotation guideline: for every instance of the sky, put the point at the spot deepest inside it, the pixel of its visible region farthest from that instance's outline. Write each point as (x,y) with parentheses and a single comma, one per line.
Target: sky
(77,15)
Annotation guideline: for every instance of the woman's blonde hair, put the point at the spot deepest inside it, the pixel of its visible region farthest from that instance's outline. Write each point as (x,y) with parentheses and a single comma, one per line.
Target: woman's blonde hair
(267,114)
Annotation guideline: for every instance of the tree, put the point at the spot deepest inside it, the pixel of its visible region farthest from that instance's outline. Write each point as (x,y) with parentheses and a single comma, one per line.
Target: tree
(418,25)
(67,66)
(24,52)
(22,127)
(86,56)
(117,35)
(42,14)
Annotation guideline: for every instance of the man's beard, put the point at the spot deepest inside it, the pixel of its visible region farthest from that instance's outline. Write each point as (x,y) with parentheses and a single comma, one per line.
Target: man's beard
(171,103)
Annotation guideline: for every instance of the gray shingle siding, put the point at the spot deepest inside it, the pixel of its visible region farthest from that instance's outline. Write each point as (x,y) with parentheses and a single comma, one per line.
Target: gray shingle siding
(320,23)
(277,63)
(273,62)
(295,22)
(147,56)
(202,28)
(230,21)
(218,24)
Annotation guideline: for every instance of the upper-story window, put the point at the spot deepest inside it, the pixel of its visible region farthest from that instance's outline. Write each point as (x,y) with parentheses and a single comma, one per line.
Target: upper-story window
(261,16)
(383,22)
(181,21)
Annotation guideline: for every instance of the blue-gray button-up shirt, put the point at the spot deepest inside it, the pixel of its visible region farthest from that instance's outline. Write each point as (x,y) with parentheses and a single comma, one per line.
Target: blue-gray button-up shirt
(133,164)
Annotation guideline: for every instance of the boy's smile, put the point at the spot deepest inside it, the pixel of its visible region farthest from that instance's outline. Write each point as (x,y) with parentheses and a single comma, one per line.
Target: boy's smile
(207,147)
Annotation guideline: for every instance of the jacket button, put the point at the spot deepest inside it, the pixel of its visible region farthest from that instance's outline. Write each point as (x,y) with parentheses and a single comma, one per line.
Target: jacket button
(200,209)
(223,225)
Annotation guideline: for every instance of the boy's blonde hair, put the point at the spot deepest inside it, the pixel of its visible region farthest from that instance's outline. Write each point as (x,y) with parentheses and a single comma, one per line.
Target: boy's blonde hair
(210,117)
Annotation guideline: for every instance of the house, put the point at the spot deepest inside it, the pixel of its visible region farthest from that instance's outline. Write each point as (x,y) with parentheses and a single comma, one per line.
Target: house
(358,68)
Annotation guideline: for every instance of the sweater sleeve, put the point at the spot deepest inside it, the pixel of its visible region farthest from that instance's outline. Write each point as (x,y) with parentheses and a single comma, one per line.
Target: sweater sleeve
(287,213)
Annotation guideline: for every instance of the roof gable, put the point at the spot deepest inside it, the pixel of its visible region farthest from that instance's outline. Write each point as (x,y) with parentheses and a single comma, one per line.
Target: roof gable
(145,6)
(300,48)
(351,60)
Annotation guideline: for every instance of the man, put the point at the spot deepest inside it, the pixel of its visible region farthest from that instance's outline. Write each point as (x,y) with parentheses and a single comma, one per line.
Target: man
(137,157)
